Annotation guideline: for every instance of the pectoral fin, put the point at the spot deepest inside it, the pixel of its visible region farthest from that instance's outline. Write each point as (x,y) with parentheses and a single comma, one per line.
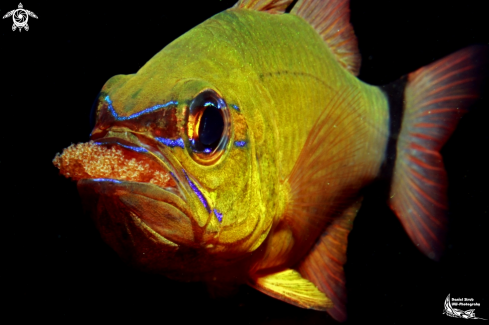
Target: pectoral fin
(291,287)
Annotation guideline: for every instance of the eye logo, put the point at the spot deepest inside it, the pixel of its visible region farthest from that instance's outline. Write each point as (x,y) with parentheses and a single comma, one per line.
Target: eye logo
(20,17)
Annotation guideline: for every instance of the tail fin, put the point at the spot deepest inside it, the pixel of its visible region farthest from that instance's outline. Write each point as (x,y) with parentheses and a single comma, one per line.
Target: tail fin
(436,96)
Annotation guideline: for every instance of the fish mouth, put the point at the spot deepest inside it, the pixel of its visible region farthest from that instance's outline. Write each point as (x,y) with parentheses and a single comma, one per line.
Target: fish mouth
(115,173)
(162,173)
(128,208)
(117,160)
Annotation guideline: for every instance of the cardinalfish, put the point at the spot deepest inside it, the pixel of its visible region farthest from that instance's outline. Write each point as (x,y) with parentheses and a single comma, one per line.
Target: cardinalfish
(239,152)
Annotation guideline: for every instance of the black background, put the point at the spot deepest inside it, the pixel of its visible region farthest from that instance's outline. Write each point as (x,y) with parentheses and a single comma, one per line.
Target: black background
(54,264)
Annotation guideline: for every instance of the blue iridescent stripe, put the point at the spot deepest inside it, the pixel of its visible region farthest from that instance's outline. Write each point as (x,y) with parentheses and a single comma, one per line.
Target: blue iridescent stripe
(137,149)
(105,180)
(133,148)
(240,143)
(218,215)
(197,192)
(235,107)
(172,143)
(135,115)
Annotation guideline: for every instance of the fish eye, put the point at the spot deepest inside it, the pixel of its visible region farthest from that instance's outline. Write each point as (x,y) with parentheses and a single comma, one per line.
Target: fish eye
(208,125)
(211,125)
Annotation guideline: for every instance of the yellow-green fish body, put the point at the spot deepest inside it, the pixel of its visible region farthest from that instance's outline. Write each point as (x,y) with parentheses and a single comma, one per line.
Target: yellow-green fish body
(272,200)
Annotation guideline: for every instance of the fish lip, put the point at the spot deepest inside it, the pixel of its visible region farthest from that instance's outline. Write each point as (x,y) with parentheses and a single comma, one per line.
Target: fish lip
(150,153)
(177,195)
(160,191)
(171,190)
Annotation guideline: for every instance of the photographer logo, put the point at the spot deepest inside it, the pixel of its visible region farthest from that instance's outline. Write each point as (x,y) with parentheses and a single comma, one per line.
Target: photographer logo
(20,17)
(458,313)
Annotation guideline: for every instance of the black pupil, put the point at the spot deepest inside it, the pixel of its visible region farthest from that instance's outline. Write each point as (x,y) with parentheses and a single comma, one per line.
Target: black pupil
(211,127)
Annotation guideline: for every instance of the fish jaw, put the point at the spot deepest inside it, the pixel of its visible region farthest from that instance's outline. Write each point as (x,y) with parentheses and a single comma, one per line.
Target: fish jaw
(151,230)
(144,217)
(141,222)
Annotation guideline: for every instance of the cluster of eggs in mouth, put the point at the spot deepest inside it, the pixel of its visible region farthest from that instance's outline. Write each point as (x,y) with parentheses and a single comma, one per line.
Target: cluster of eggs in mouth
(91,160)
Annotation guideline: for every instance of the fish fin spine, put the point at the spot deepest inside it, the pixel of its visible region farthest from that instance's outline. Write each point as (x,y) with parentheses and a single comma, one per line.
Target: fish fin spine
(272,6)
(331,19)
(436,96)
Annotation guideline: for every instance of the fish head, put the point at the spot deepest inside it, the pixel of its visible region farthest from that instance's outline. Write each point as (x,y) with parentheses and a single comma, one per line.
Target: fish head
(190,192)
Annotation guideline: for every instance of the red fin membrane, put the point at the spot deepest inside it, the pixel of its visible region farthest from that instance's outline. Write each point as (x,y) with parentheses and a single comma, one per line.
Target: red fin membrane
(277,6)
(324,264)
(436,96)
(331,19)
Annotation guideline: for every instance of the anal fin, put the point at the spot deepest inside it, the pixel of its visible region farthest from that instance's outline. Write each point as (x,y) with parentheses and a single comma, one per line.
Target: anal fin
(323,266)
(291,287)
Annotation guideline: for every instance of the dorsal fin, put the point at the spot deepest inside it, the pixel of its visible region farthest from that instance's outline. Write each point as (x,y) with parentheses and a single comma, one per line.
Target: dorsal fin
(331,19)
(277,6)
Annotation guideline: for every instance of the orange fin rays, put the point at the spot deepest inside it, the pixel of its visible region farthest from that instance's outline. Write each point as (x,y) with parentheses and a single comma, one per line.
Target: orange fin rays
(436,97)
(324,264)
(331,19)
